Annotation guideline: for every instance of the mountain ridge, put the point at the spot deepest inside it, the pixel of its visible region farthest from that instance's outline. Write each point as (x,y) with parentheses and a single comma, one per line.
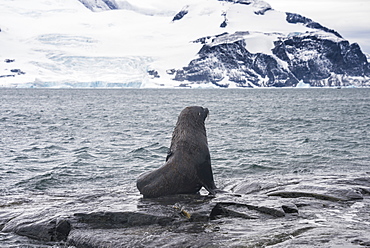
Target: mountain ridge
(124,43)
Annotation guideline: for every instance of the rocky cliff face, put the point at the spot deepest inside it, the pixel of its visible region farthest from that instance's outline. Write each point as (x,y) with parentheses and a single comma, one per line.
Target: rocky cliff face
(320,61)
(311,58)
(296,18)
(226,62)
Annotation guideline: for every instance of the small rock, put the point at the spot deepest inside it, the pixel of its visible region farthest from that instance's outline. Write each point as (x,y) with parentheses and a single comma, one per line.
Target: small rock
(18,71)
(180,15)
(62,229)
(227,210)
(361,242)
(153,73)
(290,208)
(223,24)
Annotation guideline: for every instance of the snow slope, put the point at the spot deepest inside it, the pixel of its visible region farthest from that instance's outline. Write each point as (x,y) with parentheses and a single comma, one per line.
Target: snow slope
(61,43)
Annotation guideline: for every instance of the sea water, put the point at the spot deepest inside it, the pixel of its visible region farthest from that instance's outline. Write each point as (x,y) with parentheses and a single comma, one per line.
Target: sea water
(64,145)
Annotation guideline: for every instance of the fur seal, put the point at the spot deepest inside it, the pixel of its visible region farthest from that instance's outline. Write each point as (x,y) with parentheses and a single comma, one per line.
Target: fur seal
(188,163)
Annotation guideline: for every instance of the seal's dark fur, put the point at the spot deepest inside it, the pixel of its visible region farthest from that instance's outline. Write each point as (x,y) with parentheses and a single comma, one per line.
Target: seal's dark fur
(188,163)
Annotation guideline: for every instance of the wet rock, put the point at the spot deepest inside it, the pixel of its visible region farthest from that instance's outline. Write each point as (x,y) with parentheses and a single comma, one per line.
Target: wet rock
(227,210)
(106,220)
(276,212)
(259,218)
(296,194)
(290,208)
(362,242)
(62,229)
(56,229)
(254,187)
(246,211)
(329,195)
(200,216)
(247,188)
(348,194)
(276,239)
(146,236)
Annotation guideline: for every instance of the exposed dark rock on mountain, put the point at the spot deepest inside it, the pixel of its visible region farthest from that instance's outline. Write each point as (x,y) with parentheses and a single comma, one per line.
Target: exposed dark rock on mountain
(234,61)
(153,73)
(296,18)
(13,72)
(180,15)
(246,2)
(17,71)
(317,60)
(314,59)
(223,24)
(100,4)
(238,64)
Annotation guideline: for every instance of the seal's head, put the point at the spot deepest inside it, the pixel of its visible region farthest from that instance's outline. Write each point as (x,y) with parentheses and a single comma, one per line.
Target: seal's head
(194,115)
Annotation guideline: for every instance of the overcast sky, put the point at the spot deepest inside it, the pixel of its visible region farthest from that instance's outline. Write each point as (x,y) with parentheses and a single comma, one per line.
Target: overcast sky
(351,18)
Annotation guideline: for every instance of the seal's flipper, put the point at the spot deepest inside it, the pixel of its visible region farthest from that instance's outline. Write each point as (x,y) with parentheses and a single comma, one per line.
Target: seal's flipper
(206,176)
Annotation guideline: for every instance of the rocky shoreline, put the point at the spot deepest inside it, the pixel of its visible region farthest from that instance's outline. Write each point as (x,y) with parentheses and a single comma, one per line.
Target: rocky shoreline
(325,210)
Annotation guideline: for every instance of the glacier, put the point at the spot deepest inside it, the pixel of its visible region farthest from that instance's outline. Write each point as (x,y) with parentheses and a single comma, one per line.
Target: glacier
(159,44)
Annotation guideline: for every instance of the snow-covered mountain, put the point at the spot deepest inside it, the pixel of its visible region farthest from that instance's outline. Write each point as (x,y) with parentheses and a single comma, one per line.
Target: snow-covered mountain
(156,43)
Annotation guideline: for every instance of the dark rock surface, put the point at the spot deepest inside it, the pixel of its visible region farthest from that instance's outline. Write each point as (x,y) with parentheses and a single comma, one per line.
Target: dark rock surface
(153,73)
(39,228)
(11,72)
(234,61)
(312,59)
(297,18)
(294,212)
(17,71)
(180,15)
